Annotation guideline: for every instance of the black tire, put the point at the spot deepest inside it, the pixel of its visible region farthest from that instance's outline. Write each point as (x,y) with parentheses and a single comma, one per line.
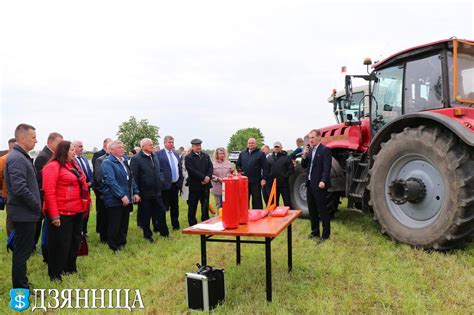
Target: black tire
(449,166)
(298,190)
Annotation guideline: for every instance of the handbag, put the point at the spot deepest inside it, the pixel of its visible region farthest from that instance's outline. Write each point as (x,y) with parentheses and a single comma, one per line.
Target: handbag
(83,247)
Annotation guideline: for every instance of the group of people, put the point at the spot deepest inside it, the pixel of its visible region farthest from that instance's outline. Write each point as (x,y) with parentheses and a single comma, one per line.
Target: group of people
(52,193)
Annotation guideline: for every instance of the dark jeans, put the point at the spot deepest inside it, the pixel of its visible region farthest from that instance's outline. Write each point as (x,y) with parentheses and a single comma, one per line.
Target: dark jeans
(63,244)
(318,211)
(285,194)
(266,192)
(193,199)
(255,191)
(101,220)
(171,201)
(153,209)
(22,249)
(117,226)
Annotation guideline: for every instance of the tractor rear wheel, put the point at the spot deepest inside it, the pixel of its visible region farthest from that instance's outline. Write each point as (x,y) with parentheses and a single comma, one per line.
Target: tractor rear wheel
(421,187)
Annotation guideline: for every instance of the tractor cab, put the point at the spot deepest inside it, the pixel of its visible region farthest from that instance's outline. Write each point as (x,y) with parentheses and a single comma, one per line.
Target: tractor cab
(424,78)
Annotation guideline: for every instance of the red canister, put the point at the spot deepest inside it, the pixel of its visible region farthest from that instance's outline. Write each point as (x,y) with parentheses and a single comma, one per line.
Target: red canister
(243,198)
(230,202)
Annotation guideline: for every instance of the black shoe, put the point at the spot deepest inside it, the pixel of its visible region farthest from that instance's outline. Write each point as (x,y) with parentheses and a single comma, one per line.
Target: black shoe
(150,239)
(311,236)
(322,240)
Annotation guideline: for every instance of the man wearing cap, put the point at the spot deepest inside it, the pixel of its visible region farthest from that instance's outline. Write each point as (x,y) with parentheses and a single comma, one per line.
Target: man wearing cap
(280,168)
(253,163)
(199,167)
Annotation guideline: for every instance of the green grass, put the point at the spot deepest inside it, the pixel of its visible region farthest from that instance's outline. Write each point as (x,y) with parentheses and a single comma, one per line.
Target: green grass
(357,271)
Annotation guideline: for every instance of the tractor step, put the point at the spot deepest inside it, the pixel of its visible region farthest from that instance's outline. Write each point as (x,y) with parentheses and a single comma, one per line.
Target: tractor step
(356,195)
(359,180)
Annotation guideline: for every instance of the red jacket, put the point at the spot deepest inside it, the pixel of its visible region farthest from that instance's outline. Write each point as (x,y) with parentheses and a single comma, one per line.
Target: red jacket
(62,192)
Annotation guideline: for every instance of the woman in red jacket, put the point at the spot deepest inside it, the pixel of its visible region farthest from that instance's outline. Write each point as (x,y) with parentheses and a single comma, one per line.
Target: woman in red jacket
(66,202)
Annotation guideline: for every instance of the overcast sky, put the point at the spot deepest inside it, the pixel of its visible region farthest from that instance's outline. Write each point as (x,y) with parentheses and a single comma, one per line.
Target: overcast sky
(198,68)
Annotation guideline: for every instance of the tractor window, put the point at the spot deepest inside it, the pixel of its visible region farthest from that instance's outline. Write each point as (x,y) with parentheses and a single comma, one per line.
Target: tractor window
(388,96)
(423,84)
(352,107)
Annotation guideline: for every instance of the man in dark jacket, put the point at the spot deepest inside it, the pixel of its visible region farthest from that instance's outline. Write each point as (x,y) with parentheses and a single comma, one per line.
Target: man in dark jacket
(119,192)
(280,168)
(253,164)
(43,157)
(148,176)
(317,160)
(173,179)
(199,167)
(24,201)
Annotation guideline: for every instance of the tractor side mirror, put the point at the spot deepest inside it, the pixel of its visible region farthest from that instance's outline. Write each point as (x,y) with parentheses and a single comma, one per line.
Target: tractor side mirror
(348,87)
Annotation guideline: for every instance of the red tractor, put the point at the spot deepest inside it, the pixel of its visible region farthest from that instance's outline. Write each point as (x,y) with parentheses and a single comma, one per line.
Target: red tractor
(408,158)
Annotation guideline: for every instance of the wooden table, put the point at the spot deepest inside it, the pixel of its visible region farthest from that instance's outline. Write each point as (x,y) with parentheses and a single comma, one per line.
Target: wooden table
(269,228)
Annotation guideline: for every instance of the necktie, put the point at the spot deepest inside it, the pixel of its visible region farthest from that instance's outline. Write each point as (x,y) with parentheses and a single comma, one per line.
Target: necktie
(174,171)
(81,163)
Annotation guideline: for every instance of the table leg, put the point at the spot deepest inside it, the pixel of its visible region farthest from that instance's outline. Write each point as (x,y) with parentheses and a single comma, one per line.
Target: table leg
(290,249)
(238,249)
(203,250)
(268,269)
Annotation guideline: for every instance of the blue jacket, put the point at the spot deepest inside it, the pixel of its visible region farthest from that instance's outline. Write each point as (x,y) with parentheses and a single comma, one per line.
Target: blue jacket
(24,201)
(117,183)
(166,168)
(321,171)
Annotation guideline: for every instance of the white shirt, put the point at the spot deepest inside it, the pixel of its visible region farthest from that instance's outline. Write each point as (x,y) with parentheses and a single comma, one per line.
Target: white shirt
(313,153)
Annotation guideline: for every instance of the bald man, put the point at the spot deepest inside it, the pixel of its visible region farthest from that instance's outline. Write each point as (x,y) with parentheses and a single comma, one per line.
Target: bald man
(253,164)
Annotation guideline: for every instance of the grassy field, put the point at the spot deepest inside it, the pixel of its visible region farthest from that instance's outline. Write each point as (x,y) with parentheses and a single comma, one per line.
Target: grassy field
(357,271)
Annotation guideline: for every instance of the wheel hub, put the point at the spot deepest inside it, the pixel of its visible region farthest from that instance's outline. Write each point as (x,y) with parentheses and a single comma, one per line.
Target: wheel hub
(411,190)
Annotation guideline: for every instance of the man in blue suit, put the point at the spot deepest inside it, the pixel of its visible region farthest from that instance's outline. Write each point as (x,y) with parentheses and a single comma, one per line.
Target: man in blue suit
(119,190)
(317,160)
(173,179)
(84,164)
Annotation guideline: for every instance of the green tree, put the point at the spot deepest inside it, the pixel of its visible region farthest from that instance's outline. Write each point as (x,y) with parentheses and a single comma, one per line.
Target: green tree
(238,141)
(132,131)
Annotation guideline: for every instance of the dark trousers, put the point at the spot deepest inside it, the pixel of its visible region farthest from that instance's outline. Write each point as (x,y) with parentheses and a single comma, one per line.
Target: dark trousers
(255,191)
(101,219)
(22,249)
(117,226)
(38,230)
(63,244)
(193,199)
(153,209)
(266,192)
(171,201)
(318,211)
(285,194)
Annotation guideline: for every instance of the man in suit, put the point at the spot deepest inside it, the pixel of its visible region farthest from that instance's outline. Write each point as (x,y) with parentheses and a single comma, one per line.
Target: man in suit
(253,163)
(24,201)
(119,192)
(173,179)
(317,160)
(199,167)
(85,167)
(43,157)
(146,169)
(98,154)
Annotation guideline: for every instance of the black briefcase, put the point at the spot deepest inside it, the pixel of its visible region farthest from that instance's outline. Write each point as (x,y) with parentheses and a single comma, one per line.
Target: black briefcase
(205,289)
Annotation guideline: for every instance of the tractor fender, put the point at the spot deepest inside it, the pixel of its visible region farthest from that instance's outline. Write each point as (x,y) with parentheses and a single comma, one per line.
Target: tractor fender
(417,119)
